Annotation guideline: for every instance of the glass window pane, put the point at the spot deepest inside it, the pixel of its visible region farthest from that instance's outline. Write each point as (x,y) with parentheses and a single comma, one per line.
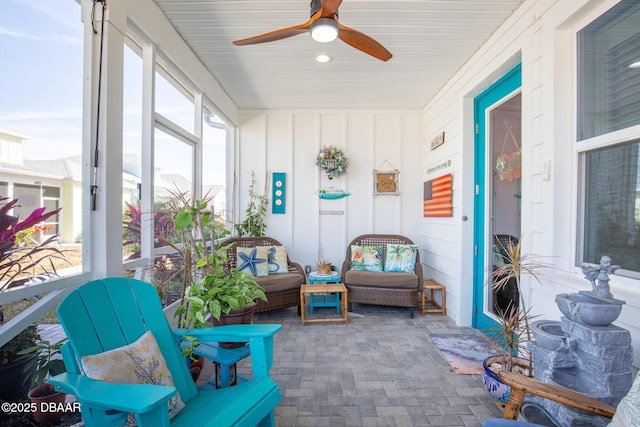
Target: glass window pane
(214,153)
(612,212)
(132,153)
(173,104)
(173,173)
(608,95)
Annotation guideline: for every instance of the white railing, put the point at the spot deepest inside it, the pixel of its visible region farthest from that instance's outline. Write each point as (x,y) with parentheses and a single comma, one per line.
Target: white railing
(50,293)
(49,296)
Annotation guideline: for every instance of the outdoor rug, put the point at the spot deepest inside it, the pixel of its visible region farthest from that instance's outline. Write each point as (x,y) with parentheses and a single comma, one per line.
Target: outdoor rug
(464,352)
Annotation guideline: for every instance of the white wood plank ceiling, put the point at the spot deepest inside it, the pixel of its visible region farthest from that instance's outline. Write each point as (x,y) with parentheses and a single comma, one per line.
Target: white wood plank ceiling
(429,39)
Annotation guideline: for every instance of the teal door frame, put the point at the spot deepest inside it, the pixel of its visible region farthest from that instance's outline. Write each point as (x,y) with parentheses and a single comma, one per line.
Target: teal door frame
(507,85)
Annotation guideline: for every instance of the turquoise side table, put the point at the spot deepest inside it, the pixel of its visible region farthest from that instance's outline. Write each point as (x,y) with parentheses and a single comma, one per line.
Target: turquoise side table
(226,358)
(328,300)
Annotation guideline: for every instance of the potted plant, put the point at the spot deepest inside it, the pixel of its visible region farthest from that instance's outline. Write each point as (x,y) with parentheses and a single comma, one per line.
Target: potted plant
(213,295)
(21,260)
(47,362)
(514,321)
(15,370)
(253,223)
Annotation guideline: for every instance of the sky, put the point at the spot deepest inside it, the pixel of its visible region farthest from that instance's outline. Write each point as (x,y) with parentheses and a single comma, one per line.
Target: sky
(41,51)
(41,86)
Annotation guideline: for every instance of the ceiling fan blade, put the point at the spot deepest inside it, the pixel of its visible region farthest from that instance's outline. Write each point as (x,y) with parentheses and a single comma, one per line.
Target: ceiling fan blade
(329,8)
(280,34)
(363,42)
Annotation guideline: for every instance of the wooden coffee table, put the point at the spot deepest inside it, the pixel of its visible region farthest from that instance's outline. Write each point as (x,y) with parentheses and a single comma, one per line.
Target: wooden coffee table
(326,288)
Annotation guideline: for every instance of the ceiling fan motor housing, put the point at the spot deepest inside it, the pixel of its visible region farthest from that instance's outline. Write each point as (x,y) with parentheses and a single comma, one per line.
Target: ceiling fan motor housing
(316,5)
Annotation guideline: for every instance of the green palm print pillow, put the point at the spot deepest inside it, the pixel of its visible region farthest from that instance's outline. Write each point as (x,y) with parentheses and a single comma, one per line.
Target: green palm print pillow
(400,258)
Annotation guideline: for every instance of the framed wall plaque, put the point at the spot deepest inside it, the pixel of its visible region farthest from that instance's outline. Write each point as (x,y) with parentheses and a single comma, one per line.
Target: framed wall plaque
(386,182)
(437,141)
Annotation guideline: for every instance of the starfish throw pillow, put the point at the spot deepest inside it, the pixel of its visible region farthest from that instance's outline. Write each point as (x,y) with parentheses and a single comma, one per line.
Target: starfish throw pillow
(253,260)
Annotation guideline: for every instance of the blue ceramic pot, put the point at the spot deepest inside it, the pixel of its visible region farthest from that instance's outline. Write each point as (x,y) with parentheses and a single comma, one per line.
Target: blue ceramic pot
(498,390)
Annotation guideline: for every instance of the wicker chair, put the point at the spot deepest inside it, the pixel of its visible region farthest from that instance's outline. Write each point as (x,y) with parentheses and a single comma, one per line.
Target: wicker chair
(394,289)
(282,290)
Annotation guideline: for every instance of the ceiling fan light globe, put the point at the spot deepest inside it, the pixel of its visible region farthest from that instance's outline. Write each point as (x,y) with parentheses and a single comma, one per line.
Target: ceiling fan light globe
(324,30)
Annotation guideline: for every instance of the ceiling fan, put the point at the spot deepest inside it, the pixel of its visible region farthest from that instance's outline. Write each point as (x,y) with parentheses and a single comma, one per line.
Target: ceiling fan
(324,27)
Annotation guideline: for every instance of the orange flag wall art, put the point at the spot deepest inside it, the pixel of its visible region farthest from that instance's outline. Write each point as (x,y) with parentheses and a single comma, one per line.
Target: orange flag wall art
(437,197)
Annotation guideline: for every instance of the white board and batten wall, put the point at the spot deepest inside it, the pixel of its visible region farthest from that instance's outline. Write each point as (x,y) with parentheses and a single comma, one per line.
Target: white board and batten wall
(314,228)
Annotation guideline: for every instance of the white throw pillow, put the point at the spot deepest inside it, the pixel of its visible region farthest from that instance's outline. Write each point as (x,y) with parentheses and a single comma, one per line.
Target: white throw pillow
(628,410)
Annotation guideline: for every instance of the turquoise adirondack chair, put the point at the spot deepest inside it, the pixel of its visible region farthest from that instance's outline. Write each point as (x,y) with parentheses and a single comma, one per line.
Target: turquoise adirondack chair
(110,313)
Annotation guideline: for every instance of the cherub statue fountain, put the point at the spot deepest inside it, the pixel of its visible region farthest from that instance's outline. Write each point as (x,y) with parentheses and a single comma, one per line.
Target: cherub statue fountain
(601,275)
(584,351)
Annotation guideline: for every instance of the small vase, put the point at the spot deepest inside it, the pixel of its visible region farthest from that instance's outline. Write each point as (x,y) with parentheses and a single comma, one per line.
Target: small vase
(324,267)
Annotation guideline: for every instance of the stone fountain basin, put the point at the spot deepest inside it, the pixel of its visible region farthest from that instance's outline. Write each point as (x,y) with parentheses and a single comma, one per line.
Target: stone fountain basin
(532,412)
(588,310)
(550,336)
(570,378)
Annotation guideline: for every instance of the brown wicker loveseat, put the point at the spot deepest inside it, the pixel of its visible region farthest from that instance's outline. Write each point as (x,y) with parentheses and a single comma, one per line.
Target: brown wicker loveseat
(382,288)
(282,290)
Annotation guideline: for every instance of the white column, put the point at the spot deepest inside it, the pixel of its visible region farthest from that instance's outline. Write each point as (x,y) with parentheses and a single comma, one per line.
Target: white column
(104,171)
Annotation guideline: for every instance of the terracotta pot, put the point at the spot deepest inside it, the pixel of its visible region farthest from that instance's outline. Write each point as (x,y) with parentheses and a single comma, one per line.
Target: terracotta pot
(235,317)
(46,404)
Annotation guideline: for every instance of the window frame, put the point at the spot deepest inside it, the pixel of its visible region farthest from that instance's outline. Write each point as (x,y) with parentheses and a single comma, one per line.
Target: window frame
(587,145)
(154,61)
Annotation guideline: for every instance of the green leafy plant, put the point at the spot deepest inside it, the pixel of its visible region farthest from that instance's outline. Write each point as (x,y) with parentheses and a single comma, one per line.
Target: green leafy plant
(48,361)
(212,290)
(10,352)
(253,223)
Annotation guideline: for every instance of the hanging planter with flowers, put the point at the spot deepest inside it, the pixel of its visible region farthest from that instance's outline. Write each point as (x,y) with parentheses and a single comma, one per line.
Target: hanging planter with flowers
(333,161)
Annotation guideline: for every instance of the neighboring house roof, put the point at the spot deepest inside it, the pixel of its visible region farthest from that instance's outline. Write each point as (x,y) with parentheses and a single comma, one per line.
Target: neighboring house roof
(212,190)
(4,129)
(69,167)
(130,158)
(17,168)
(178,181)
(64,167)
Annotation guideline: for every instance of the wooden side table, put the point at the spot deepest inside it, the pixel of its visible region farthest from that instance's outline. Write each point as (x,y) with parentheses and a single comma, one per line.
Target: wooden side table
(325,288)
(433,285)
(324,300)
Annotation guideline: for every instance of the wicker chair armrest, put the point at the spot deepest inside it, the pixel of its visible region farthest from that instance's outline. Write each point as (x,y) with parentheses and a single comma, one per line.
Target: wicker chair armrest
(343,271)
(294,267)
(419,271)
